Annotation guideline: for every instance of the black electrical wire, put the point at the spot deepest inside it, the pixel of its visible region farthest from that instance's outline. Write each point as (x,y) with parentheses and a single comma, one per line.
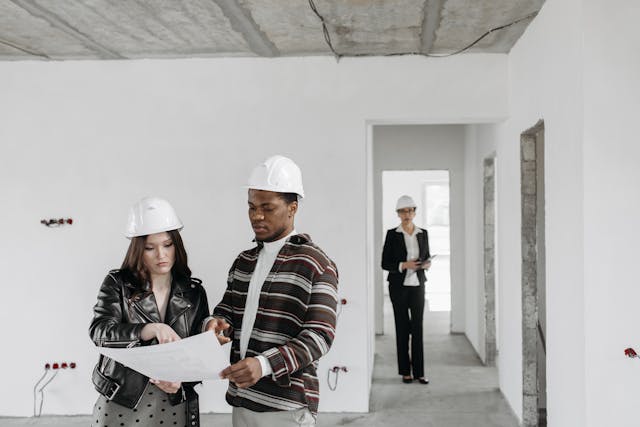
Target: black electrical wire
(476,41)
(327,37)
(333,386)
(325,30)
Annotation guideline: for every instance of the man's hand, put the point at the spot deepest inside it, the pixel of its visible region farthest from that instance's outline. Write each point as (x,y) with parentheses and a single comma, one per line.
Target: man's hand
(219,326)
(245,373)
(167,386)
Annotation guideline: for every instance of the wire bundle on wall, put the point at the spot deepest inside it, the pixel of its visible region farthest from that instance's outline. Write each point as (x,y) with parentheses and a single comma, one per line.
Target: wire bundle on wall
(56,222)
(336,372)
(342,302)
(55,368)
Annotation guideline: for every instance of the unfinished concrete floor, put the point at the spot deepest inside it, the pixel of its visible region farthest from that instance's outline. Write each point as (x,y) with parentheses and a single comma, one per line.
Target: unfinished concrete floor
(462,393)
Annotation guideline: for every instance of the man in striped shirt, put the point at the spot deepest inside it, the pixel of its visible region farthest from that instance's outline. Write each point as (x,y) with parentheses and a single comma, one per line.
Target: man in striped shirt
(279,308)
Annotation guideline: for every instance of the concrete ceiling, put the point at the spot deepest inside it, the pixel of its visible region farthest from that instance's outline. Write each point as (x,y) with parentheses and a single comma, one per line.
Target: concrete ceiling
(127,29)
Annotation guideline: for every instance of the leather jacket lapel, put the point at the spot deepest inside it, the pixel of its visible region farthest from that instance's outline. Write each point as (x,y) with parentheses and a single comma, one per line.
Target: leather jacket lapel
(148,308)
(402,247)
(177,304)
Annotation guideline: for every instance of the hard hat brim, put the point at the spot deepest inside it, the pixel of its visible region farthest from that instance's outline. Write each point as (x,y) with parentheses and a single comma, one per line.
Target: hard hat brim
(273,189)
(131,234)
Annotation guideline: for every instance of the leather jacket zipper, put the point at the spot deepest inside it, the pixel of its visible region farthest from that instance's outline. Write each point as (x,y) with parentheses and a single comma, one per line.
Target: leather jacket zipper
(128,343)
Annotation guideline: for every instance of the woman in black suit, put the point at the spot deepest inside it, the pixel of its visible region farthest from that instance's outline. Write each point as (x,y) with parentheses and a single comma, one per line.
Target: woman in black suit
(406,257)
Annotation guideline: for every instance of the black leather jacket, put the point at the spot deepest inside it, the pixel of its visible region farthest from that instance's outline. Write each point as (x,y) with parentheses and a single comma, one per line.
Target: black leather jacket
(119,316)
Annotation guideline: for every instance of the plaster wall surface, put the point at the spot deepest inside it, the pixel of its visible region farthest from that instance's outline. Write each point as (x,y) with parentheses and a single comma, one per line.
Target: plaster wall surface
(612,208)
(424,147)
(545,82)
(87,139)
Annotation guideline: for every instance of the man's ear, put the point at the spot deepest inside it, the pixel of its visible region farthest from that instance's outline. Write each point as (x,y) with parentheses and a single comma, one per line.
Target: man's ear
(293,208)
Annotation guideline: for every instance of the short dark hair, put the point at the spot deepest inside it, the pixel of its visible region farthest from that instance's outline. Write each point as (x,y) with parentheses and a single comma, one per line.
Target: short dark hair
(133,267)
(288,197)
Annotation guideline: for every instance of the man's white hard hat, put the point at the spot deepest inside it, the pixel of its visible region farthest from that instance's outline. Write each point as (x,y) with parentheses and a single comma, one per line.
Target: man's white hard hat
(151,215)
(405,202)
(279,174)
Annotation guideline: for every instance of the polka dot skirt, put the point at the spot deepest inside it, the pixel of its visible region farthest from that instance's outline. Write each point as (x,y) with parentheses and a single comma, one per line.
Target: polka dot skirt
(154,409)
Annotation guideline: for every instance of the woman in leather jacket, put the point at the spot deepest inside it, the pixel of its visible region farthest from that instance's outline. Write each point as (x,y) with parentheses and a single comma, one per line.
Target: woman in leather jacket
(152,299)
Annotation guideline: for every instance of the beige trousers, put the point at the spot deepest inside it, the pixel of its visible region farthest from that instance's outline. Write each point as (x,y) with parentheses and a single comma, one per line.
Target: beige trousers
(241,417)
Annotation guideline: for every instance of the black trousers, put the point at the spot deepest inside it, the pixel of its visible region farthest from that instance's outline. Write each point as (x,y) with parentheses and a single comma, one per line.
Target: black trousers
(408,311)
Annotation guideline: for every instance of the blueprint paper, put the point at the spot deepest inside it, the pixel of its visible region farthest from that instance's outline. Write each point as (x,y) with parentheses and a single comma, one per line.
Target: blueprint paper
(196,358)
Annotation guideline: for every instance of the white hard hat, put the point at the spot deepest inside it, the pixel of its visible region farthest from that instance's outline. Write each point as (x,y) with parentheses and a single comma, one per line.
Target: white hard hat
(151,215)
(279,174)
(405,202)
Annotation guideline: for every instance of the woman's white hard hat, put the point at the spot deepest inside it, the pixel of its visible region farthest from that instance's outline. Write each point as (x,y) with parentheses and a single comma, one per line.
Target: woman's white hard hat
(279,174)
(151,215)
(405,202)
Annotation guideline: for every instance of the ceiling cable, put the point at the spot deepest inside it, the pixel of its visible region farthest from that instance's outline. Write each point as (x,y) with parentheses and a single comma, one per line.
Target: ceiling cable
(327,38)
(476,41)
(325,31)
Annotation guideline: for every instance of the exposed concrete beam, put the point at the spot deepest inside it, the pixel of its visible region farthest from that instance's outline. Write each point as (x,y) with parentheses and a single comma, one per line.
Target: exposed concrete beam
(23,49)
(430,24)
(58,23)
(155,13)
(242,22)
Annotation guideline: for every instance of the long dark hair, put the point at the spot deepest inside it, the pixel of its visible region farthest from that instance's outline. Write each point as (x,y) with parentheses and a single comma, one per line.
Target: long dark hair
(133,266)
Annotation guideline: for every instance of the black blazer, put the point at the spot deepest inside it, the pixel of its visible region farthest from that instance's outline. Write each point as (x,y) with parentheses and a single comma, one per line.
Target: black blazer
(395,252)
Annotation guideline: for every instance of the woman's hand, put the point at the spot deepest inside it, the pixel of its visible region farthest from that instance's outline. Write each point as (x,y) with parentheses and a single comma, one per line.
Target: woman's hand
(166,386)
(163,333)
(413,265)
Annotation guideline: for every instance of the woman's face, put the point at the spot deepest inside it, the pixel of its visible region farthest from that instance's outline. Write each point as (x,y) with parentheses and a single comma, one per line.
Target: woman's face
(406,215)
(159,254)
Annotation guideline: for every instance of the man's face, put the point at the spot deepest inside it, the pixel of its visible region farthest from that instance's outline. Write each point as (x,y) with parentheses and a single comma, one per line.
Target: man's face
(271,218)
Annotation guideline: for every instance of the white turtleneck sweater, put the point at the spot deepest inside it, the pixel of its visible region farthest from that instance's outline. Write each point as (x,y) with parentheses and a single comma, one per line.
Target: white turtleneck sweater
(264,264)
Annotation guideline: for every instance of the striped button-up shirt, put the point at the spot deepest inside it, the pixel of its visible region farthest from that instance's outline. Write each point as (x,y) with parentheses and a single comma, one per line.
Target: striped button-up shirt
(294,325)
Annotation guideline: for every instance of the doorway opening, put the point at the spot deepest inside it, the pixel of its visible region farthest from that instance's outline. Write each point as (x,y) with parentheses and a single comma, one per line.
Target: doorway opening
(533,277)
(430,191)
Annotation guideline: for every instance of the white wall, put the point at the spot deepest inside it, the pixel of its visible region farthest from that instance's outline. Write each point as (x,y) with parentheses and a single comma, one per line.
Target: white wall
(86,139)
(545,82)
(612,210)
(424,147)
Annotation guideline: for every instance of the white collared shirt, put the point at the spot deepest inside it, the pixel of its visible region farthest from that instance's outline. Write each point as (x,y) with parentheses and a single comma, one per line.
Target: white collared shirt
(413,252)
(264,264)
